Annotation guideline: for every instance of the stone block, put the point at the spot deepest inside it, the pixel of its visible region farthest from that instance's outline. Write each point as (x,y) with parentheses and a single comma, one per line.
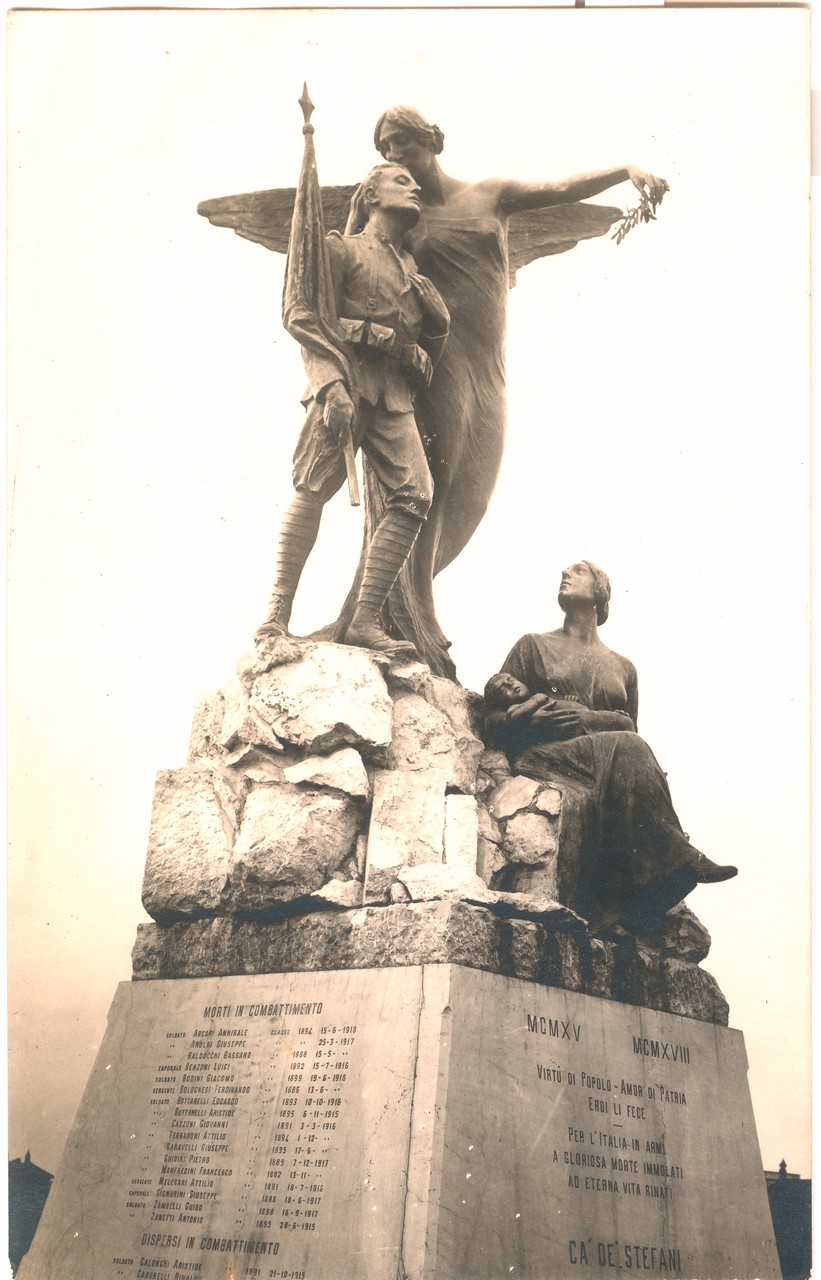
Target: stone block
(235,703)
(275,651)
(342,770)
(361,852)
(333,696)
(461,706)
(598,967)
(193,823)
(547,911)
(241,724)
(289,842)
(511,796)
(530,838)
(683,936)
(425,736)
(432,932)
(434,880)
(542,880)
(549,800)
(404,676)
(488,826)
(205,742)
(694,993)
(338,893)
(461,831)
(407,818)
(495,765)
(489,860)
(253,764)
(379,886)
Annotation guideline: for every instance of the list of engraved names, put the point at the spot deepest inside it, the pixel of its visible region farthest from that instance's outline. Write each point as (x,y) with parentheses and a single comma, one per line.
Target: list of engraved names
(243,1112)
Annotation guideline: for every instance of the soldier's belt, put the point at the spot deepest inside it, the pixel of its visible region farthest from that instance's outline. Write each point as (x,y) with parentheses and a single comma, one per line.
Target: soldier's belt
(382,339)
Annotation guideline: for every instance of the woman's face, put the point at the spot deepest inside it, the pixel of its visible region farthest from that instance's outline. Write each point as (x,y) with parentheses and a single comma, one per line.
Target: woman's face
(577,584)
(399,146)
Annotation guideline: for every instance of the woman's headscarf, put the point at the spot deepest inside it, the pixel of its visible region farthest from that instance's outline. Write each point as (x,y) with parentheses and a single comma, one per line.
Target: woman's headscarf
(601,593)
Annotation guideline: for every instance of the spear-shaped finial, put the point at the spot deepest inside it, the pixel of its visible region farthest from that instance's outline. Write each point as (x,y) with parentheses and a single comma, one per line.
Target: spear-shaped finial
(307,108)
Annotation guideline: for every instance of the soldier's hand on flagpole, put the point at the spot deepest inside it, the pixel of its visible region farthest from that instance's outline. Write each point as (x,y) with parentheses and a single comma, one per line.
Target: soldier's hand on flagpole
(337,410)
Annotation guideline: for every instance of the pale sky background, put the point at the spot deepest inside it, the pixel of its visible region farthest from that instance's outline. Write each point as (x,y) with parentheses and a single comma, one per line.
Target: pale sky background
(658,423)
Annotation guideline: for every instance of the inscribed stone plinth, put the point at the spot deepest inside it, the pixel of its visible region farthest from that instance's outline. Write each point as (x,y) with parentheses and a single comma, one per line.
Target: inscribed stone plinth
(435,1123)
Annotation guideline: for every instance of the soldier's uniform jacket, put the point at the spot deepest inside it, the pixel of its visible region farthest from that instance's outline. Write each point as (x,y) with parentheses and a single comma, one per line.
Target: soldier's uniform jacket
(381,317)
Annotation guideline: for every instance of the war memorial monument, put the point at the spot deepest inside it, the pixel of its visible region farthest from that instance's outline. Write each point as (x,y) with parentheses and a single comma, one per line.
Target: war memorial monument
(422,998)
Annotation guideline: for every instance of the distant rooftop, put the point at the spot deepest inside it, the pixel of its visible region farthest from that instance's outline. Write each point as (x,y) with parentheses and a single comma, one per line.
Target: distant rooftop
(782,1175)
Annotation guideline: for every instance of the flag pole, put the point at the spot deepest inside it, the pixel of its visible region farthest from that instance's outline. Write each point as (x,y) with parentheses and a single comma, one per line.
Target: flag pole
(308,301)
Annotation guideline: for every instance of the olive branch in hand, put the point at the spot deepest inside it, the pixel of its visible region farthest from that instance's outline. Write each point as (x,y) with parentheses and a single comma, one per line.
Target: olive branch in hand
(645,211)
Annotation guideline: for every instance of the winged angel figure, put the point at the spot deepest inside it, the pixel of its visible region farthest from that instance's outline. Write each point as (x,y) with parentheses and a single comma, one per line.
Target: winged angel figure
(470,241)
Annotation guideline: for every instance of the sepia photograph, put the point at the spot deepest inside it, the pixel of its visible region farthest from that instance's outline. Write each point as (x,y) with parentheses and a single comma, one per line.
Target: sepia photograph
(408,643)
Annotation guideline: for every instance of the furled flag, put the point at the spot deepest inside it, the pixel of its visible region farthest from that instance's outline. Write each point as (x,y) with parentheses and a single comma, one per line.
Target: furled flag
(308,303)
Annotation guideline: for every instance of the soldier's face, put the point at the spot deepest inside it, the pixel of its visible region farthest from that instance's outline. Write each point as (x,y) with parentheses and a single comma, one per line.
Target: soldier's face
(396,189)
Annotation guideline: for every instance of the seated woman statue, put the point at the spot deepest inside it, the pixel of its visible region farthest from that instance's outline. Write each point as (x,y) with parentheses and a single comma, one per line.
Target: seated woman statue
(564,708)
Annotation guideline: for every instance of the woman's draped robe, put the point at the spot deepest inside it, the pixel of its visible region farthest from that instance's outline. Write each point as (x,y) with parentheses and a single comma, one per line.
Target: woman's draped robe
(634,859)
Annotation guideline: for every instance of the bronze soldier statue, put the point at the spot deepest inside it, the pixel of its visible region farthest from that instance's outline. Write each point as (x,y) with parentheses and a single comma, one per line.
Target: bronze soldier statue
(394,324)
(470,240)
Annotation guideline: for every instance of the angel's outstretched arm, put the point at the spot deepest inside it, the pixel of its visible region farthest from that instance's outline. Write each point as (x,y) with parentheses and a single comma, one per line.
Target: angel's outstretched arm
(515,196)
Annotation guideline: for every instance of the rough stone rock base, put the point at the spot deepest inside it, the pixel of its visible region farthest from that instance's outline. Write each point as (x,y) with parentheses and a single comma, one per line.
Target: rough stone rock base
(557,953)
(429,1122)
(324,777)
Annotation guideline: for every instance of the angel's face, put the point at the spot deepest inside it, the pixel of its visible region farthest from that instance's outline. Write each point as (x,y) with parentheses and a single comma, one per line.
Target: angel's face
(399,146)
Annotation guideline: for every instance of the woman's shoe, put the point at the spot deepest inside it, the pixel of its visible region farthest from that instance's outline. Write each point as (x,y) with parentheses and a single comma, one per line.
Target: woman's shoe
(707,872)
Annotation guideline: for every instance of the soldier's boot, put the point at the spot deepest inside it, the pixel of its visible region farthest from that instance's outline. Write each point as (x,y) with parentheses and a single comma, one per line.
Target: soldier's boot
(390,547)
(297,536)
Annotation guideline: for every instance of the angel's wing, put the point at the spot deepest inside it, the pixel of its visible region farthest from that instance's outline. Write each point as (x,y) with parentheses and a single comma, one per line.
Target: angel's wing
(265,217)
(536,233)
